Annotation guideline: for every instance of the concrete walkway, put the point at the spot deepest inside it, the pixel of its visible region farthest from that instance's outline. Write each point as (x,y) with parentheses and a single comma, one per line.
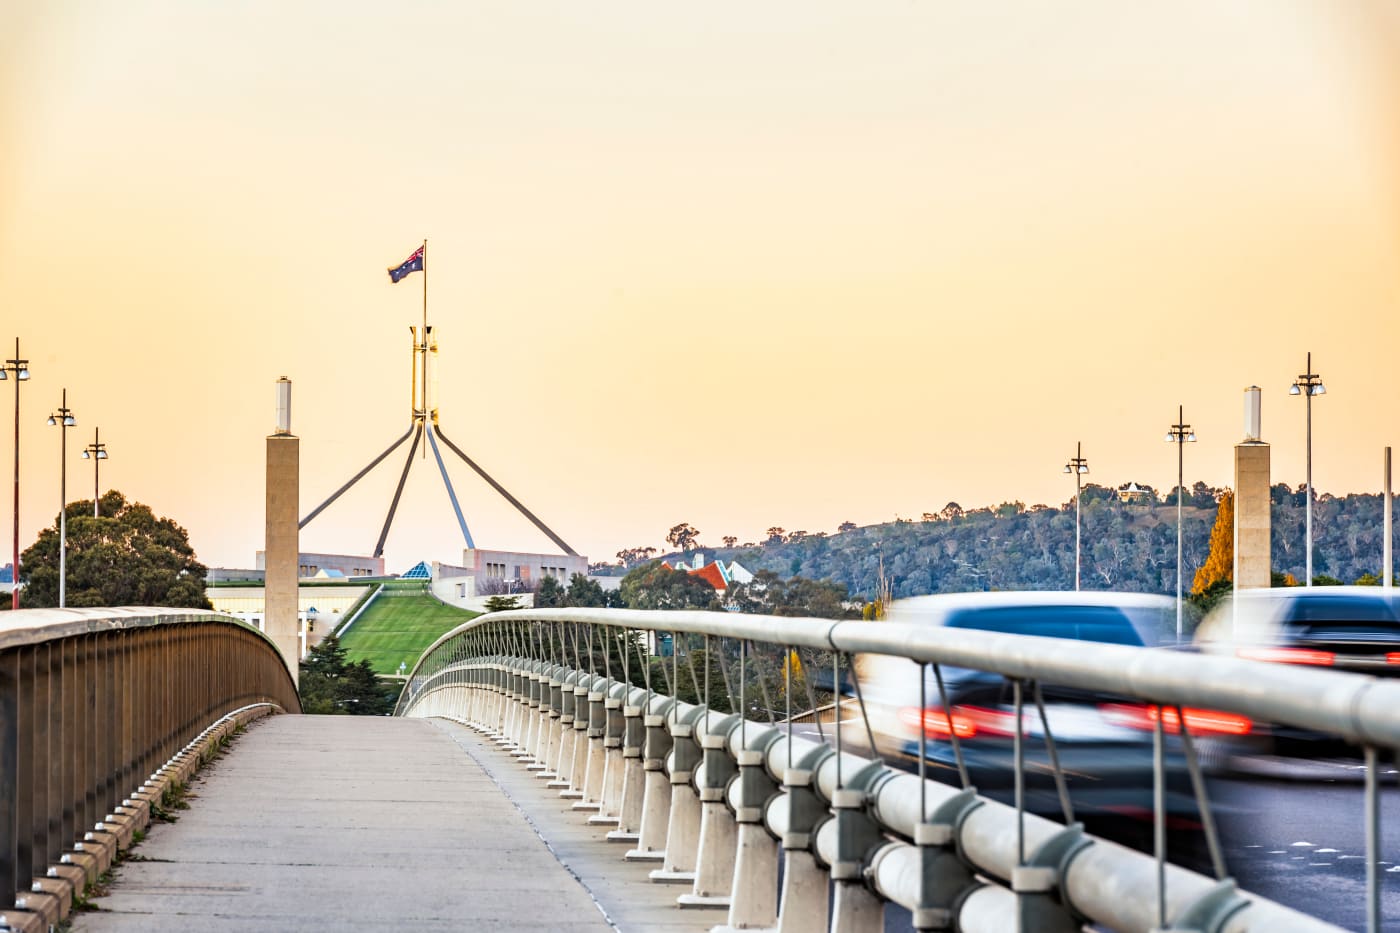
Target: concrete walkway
(360,823)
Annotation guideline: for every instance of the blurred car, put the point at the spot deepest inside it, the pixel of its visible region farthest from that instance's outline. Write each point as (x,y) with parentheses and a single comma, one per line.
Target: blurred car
(1104,742)
(1352,628)
(1347,628)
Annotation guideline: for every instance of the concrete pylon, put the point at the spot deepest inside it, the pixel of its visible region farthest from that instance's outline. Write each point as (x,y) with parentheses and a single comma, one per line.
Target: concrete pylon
(1253,523)
(282,537)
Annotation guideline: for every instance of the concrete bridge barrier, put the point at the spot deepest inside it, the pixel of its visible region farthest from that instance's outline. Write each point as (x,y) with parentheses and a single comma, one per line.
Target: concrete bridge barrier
(101,711)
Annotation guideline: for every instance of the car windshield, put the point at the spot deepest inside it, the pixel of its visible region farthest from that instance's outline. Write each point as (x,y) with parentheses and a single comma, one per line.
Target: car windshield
(1107,624)
(1361,618)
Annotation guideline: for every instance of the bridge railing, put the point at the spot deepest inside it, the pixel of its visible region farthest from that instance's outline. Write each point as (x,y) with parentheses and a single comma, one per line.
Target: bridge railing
(94,702)
(718,800)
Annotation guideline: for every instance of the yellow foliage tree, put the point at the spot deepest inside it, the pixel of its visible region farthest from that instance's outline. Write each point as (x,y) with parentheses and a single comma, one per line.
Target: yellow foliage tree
(1220,564)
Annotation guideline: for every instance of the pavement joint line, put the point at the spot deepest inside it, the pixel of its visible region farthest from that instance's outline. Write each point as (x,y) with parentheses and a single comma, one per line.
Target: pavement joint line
(491,773)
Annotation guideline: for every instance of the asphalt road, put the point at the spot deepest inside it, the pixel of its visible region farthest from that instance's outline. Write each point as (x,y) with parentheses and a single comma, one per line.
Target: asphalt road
(1303,844)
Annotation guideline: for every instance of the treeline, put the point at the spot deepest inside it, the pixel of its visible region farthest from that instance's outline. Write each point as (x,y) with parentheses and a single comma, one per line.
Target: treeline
(1126,545)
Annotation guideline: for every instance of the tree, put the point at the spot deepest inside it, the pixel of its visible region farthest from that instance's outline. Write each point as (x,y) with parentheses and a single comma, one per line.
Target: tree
(952,512)
(550,595)
(775,535)
(654,586)
(845,527)
(1220,563)
(683,536)
(729,540)
(768,594)
(127,557)
(631,556)
(330,685)
(501,603)
(585,592)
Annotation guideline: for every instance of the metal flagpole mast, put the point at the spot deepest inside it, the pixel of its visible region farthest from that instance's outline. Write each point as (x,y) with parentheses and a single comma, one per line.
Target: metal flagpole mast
(423,341)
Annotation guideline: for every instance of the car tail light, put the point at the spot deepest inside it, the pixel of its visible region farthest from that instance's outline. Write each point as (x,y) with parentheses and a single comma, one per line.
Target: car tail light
(965,722)
(938,724)
(1393,657)
(1288,655)
(1198,721)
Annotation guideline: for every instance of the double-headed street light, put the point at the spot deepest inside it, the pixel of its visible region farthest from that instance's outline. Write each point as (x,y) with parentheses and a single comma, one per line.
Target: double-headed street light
(19,368)
(1079,467)
(1307,385)
(65,420)
(1179,434)
(96,452)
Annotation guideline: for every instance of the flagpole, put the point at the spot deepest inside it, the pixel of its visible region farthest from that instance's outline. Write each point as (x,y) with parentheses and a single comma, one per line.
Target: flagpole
(424,351)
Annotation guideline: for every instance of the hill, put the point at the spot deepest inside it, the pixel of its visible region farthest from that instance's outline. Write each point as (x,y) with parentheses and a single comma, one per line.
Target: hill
(1129,546)
(399,625)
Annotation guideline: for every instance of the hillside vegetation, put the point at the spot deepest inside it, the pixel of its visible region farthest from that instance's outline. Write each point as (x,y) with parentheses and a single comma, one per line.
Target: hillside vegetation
(399,625)
(1126,546)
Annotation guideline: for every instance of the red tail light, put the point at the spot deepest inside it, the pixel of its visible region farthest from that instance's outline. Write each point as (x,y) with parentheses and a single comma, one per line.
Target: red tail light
(965,722)
(1288,655)
(1198,721)
(1393,657)
(938,724)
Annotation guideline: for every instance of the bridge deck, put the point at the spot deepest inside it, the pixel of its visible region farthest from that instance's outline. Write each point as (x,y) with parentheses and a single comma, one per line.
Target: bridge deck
(358,823)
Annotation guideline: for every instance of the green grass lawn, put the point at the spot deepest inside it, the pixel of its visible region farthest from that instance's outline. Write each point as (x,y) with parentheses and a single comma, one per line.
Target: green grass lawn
(397,628)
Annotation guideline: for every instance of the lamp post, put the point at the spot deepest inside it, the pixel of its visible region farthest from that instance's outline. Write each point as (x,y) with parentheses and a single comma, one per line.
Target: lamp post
(19,368)
(1307,385)
(1179,434)
(1079,467)
(96,452)
(65,420)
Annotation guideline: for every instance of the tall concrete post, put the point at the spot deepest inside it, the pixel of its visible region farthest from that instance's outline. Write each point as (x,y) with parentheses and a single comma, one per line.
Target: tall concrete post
(1253,556)
(283,542)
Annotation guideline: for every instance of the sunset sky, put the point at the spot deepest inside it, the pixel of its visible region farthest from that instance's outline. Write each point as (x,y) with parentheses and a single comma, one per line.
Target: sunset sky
(734,264)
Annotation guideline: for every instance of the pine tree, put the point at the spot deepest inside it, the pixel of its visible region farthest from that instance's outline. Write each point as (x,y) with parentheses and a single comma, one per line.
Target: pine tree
(1220,564)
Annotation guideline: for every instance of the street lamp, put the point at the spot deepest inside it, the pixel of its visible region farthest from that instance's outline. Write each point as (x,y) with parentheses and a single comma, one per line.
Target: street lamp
(1079,467)
(65,420)
(96,452)
(20,369)
(1179,434)
(1307,385)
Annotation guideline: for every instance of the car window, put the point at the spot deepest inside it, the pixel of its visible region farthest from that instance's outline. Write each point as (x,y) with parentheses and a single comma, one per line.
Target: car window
(1337,615)
(1080,623)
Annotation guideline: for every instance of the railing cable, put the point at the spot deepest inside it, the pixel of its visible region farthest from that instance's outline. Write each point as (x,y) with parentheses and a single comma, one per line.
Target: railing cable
(1198,786)
(811,700)
(952,732)
(865,718)
(1061,788)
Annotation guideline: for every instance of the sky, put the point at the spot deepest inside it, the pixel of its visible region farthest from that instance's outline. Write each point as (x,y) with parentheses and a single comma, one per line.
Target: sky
(732,264)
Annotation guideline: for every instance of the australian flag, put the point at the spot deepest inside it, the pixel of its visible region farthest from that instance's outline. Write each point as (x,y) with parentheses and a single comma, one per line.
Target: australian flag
(413,263)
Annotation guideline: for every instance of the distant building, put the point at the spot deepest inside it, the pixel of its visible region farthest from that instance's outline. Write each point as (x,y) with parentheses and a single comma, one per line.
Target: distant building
(486,573)
(320,609)
(309,565)
(1132,492)
(716,573)
(419,571)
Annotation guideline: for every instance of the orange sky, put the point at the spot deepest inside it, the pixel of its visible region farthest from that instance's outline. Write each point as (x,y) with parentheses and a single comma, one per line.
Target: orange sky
(732,264)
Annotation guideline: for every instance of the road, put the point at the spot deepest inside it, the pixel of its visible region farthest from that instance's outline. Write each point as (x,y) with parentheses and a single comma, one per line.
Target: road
(1296,838)
(1302,844)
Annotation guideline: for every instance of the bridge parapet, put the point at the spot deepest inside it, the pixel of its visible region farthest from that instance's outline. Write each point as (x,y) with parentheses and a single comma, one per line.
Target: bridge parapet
(97,708)
(724,799)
